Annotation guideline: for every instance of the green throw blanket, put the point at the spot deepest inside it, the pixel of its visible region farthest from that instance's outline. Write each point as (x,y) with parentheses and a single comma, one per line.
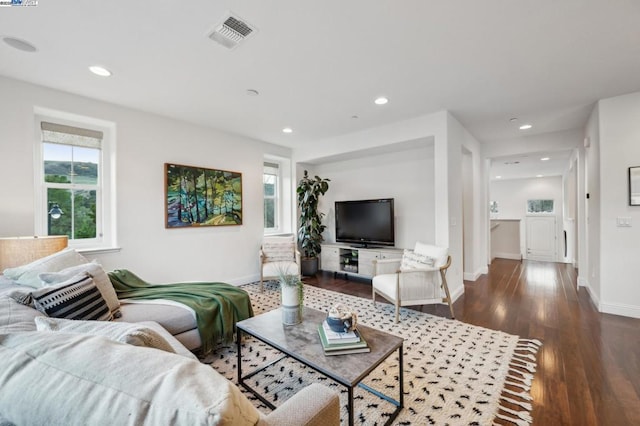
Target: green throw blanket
(218,306)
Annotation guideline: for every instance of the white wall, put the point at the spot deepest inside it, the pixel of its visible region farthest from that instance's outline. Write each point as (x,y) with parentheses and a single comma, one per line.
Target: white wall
(619,248)
(144,143)
(589,258)
(512,196)
(406,176)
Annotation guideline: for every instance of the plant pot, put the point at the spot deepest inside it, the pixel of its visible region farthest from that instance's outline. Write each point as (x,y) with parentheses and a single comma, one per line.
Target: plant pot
(309,266)
(290,301)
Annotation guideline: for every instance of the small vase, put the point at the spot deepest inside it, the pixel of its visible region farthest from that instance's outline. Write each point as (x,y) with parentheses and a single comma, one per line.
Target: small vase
(291,307)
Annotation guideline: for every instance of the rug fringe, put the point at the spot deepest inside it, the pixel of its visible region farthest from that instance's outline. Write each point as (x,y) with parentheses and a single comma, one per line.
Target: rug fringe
(519,376)
(529,366)
(523,404)
(517,422)
(523,395)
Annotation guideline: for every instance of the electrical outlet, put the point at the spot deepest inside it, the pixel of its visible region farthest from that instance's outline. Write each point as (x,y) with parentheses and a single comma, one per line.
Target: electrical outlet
(623,222)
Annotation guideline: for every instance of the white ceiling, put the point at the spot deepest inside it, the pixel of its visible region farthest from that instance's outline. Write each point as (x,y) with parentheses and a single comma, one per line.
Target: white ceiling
(530,165)
(317,64)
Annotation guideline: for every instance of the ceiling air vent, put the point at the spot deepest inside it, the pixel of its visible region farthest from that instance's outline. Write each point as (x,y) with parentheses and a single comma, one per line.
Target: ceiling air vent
(231,32)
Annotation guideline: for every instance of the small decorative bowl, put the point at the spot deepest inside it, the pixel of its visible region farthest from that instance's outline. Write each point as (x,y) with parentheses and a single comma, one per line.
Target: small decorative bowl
(341,319)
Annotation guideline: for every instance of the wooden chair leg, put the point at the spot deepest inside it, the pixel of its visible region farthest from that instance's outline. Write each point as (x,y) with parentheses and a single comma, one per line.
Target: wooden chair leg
(397,311)
(445,287)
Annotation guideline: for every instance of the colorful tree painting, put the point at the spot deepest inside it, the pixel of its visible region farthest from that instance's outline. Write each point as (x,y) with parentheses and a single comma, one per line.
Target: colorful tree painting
(196,196)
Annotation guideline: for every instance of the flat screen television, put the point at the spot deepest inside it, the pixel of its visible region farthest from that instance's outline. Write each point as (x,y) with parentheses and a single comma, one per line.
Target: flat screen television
(365,223)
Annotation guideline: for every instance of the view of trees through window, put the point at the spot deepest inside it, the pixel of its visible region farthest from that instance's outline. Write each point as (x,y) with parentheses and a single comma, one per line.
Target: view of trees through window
(269,181)
(539,206)
(71,180)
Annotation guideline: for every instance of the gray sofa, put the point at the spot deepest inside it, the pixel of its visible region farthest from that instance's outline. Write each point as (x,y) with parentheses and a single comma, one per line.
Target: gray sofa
(71,378)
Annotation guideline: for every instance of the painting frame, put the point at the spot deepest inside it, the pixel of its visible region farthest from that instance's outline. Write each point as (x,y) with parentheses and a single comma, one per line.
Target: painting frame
(634,186)
(199,196)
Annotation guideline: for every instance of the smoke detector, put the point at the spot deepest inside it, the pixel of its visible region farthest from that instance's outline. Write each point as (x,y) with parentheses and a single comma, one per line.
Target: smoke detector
(231,31)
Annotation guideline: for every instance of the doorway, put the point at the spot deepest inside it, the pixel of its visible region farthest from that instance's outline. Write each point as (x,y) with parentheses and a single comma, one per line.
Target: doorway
(541,238)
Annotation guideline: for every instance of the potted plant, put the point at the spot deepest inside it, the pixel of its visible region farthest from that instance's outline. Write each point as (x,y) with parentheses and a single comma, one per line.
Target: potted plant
(310,231)
(291,297)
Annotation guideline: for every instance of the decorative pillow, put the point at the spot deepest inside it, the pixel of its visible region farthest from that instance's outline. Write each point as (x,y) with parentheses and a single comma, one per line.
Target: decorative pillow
(78,298)
(438,253)
(413,260)
(28,274)
(279,249)
(100,278)
(123,332)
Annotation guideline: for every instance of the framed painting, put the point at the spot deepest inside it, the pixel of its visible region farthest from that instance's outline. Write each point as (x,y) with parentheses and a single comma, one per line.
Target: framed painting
(195,196)
(634,186)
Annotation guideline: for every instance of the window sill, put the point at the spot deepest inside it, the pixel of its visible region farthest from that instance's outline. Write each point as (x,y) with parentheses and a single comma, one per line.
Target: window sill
(99,250)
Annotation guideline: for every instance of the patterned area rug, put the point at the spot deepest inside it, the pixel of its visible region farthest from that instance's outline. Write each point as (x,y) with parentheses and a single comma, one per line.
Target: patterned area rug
(454,373)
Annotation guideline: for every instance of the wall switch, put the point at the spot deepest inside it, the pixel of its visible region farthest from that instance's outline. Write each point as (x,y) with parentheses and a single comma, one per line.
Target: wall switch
(623,221)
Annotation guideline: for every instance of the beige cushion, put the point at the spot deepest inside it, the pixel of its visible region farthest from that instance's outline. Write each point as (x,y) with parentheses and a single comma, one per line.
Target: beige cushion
(279,249)
(28,274)
(100,278)
(123,332)
(76,379)
(438,253)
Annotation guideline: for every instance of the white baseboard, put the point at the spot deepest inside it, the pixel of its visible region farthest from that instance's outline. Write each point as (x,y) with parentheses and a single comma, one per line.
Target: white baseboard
(505,255)
(472,276)
(457,293)
(620,309)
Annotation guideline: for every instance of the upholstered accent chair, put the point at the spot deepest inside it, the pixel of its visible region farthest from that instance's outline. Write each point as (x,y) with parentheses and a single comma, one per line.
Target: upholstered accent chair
(419,278)
(278,254)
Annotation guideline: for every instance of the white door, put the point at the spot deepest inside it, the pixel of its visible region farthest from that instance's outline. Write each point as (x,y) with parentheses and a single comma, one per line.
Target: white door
(541,238)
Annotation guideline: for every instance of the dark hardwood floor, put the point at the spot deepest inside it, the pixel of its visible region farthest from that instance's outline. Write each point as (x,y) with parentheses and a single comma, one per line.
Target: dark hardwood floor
(589,364)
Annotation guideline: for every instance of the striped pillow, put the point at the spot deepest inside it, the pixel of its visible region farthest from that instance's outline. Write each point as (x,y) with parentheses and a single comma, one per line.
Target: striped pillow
(413,260)
(77,298)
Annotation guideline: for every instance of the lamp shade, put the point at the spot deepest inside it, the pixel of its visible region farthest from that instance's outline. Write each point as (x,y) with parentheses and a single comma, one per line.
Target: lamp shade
(18,251)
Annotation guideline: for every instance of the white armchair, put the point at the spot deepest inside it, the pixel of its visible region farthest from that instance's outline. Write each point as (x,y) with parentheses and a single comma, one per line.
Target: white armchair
(278,254)
(418,278)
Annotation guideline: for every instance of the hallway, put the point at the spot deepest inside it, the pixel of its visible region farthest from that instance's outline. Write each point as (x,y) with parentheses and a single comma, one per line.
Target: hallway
(589,364)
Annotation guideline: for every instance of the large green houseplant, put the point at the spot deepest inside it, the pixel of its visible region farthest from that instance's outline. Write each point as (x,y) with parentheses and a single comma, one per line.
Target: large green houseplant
(310,231)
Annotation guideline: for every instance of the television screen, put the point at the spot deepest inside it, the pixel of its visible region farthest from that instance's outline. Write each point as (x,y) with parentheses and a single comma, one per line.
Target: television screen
(365,222)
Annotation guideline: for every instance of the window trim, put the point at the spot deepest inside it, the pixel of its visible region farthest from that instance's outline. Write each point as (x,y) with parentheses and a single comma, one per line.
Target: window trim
(284,192)
(106,214)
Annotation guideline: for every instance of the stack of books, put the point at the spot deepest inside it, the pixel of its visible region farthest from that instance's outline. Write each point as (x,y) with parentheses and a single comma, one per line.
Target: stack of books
(335,343)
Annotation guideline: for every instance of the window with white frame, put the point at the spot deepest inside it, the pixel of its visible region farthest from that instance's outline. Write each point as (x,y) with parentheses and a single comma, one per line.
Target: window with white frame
(74,171)
(540,207)
(278,193)
(271,185)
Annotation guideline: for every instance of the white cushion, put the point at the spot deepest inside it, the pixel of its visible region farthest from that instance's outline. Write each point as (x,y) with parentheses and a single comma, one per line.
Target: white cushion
(123,332)
(76,379)
(274,269)
(28,274)
(438,253)
(386,284)
(99,276)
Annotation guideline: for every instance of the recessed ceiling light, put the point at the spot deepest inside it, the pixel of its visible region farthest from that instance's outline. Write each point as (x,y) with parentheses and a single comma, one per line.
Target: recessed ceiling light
(513,119)
(252,92)
(287,130)
(538,175)
(355,117)
(544,159)
(16,43)
(526,127)
(101,71)
(498,177)
(381,100)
